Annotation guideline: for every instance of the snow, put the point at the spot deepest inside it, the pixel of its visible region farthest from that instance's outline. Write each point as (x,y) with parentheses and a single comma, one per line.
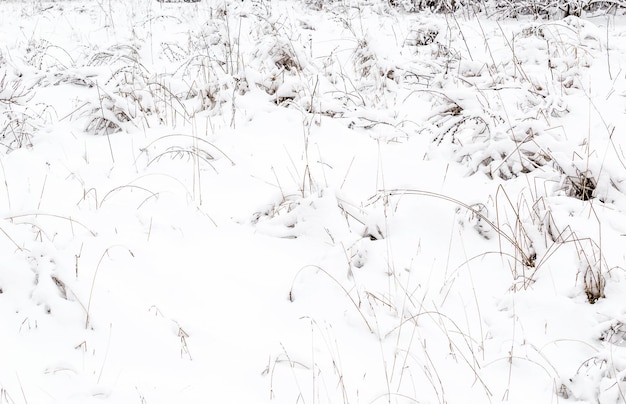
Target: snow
(319,202)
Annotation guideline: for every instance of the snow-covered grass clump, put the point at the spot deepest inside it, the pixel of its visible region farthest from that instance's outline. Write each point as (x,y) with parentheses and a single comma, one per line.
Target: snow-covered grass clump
(311,201)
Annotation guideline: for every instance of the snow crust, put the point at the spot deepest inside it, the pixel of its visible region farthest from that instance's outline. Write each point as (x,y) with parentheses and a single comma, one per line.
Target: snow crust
(310,202)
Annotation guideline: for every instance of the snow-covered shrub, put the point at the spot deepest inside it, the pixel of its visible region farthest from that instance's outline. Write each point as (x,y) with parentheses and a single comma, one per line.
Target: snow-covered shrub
(545,9)
(19,125)
(319,5)
(541,8)
(132,83)
(213,45)
(208,67)
(277,59)
(423,36)
(123,96)
(12,88)
(567,47)
(277,62)
(508,139)
(484,140)
(109,114)
(322,214)
(438,6)
(18,121)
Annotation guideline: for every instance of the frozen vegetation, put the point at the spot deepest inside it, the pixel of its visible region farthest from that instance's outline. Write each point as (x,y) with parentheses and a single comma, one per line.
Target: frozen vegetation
(307,201)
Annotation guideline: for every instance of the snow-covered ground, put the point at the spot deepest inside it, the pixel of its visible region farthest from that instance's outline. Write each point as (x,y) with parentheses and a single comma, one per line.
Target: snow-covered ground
(310,202)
